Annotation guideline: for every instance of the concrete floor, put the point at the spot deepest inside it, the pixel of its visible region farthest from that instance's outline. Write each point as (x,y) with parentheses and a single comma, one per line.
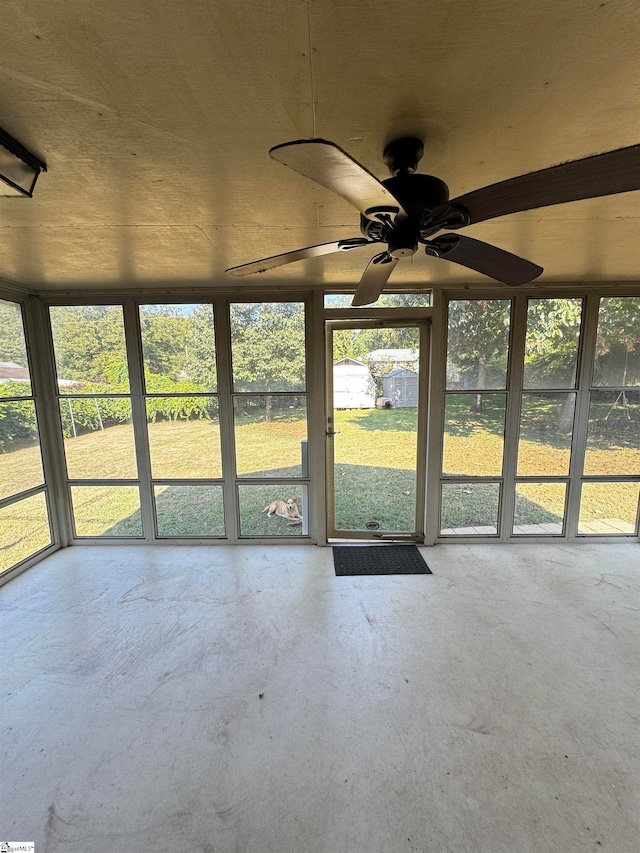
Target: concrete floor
(245,699)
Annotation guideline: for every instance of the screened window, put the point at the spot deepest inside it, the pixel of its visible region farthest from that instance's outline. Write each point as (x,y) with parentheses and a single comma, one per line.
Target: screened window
(546,429)
(385,300)
(90,350)
(183,418)
(268,346)
(268,359)
(610,491)
(508,457)
(546,418)
(478,332)
(478,344)
(551,344)
(616,360)
(474,434)
(96,419)
(25,526)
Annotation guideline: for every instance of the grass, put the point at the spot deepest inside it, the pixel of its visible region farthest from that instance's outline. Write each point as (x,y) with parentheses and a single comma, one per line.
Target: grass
(375,458)
(21,468)
(469,505)
(473,446)
(375,462)
(24,529)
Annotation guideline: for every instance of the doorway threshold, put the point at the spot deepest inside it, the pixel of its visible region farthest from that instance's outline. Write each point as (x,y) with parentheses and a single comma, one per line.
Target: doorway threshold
(390,540)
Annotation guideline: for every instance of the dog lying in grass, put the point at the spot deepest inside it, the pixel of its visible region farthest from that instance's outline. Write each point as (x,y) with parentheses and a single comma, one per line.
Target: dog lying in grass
(285,509)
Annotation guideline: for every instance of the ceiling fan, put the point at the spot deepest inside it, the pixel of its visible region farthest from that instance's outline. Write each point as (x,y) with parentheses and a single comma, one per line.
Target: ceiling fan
(409,209)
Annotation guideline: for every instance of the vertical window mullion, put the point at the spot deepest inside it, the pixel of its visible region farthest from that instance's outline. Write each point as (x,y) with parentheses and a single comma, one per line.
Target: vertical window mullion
(139,414)
(222,308)
(424,331)
(515,370)
(581,416)
(40,344)
(64,508)
(435,427)
(316,414)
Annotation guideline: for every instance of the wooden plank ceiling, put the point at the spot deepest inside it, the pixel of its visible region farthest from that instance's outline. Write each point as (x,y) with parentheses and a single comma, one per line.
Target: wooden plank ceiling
(155,121)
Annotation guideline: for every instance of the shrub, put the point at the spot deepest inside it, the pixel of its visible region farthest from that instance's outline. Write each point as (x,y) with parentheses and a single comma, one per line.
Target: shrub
(17,421)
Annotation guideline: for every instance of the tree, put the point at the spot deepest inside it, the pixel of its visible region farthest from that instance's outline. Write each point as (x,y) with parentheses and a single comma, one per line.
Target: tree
(89,343)
(478,344)
(164,330)
(12,347)
(17,418)
(553,331)
(268,348)
(350,343)
(200,349)
(551,350)
(617,356)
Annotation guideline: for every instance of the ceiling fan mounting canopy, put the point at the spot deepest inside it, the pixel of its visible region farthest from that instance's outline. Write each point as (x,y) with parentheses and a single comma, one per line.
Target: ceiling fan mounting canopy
(403,155)
(409,209)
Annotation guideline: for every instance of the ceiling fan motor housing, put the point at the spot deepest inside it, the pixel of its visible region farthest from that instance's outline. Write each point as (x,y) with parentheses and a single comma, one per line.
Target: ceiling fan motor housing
(419,195)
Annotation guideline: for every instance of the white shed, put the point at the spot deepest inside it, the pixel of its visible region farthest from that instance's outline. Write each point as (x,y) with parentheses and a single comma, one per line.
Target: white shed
(401,387)
(353,385)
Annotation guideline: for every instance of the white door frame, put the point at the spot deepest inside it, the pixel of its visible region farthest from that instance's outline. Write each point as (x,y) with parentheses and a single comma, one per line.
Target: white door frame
(371,320)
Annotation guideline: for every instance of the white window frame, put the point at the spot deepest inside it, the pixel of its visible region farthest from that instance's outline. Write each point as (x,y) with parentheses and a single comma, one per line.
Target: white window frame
(590,296)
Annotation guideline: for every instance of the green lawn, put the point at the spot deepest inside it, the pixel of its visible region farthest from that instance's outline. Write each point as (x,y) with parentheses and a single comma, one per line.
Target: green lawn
(473,446)
(375,456)
(375,463)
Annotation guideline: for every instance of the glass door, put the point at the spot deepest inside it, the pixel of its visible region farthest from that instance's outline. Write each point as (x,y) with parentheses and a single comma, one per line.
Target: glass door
(376,429)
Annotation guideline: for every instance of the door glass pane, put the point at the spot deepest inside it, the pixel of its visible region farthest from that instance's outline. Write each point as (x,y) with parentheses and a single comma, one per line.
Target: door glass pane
(259,516)
(551,345)
(613,437)
(469,509)
(546,427)
(539,509)
(98,438)
(24,530)
(375,470)
(14,367)
(617,355)
(478,343)
(474,434)
(106,510)
(375,419)
(189,510)
(608,509)
(90,351)
(268,346)
(178,347)
(271,435)
(20,459)
(184,437)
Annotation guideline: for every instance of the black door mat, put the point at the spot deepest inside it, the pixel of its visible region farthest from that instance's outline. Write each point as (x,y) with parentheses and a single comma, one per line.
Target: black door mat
(379,560)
